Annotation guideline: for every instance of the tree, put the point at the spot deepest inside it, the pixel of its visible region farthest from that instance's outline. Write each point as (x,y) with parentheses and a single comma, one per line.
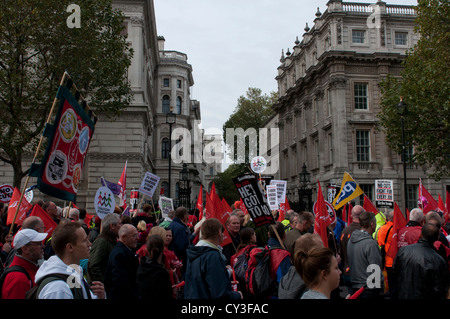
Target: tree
(425,87)
(250,113)
(37,44)
(224,181)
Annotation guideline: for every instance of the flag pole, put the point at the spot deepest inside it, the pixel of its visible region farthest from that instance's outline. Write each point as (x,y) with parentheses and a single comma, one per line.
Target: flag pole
(36,154)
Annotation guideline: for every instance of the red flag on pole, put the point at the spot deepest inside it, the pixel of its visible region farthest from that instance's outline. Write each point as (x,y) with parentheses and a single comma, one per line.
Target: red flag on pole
(49,223)
(123,191)
(322,218)
(368,205)
(399,222)
(441,207)
(199,204)
(349,214)
(427,201)
(212,212)
(447,204)
(25,206)
(226,206)
(213,190)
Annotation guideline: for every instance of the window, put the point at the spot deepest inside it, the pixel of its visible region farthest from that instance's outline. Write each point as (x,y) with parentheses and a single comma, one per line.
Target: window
(179,104)
(412,196)
(166,104)
(178,84)
(362,146)
(361,96)
(368,190)
(401,38)
(211,171)
(165,187)
(317,153)
(166,82)
(358,36)
(330,147)
(165,148)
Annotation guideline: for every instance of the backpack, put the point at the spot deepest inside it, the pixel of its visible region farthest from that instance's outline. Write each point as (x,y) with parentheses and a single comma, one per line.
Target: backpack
(241,264)
(258,280)
(10,269)
(33,293)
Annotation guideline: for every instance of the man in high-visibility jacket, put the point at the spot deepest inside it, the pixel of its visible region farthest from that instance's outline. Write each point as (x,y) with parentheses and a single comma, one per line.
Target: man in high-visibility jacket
(385,234)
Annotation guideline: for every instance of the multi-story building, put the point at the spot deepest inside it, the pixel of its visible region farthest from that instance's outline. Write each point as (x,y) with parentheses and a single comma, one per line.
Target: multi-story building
(329,99)
(139,136)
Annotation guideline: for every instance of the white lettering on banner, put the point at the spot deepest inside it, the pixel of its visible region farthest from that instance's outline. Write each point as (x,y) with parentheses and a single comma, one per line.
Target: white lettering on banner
(374,279)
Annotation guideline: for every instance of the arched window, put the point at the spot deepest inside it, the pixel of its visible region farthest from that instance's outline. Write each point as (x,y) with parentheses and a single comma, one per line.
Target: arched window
(179,104)
(165,148)
(166,104)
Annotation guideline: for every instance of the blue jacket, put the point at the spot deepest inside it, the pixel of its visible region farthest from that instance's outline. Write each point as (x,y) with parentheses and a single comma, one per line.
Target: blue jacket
(206,275)
(180,239)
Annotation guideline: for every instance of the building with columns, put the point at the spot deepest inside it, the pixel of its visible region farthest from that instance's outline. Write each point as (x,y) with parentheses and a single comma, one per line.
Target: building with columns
(329,99)
(139,137)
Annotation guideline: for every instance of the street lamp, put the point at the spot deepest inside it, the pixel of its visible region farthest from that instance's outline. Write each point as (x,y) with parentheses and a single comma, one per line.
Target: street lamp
(170,119)
(402,110)
(185,190)
(304,192)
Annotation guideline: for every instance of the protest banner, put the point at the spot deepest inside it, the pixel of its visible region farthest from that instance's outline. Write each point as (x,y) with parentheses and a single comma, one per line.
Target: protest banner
(272,200)
(384,193)
(149,184)
(165,205)
(254,200)
(281,190)
(330,210)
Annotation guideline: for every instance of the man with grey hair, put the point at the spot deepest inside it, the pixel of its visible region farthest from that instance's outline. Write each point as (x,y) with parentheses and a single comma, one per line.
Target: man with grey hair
(102,247)
(410,234)
(74,214)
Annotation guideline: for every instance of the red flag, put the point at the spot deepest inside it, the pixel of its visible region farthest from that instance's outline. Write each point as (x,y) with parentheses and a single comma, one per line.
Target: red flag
(87,219)
(213,190)
(123,191)
(284,207)
(49,223)
(349,214)
(161,191)
(226,206)
(199,204)
(368,205)
(427,201)
(322,218)
(344,213)
(25,206)
(212,212)
(447,203)
(242,207)
(399,222)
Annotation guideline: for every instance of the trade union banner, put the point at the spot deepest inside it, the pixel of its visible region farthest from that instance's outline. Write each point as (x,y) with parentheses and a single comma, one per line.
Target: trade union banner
(59,173)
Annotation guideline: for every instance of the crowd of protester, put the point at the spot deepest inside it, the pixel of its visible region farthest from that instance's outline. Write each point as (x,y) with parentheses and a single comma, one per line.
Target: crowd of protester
(180,257)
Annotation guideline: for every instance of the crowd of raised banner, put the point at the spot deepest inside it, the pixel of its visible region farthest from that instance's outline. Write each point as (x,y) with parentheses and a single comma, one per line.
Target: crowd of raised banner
(65,253)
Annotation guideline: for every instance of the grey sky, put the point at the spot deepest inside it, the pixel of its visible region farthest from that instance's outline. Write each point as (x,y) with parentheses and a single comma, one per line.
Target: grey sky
(234,44)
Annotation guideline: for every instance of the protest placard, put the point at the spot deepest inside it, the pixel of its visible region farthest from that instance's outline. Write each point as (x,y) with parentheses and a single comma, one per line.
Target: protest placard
(272,200)
(165,205)
(254,200)
(149,184)
(384,193)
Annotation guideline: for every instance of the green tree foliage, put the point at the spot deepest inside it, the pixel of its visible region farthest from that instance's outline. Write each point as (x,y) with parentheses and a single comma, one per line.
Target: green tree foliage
(224,182)
(36,47)
(251,112)
(425,88)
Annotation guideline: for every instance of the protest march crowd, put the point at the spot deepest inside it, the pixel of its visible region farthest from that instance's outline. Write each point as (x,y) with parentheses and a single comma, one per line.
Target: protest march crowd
(188,256)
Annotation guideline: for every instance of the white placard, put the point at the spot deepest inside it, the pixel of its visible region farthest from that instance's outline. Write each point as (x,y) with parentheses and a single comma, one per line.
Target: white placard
(258,164)
(165,205)
(272,199)
(281,189)
(104,202)
(149,184)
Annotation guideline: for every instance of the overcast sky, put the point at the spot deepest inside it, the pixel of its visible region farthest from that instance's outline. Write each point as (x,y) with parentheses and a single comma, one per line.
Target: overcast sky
(234,44)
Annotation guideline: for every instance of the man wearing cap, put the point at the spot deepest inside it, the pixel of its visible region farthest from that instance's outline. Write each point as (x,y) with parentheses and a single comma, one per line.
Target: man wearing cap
(30,249)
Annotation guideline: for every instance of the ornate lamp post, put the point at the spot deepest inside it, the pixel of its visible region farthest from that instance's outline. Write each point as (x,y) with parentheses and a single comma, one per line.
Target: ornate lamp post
(170,119)
(185,189)
(304,192)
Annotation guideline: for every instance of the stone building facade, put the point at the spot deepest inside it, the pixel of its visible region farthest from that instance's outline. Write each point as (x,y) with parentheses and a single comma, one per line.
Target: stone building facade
(329,99)
(160,80)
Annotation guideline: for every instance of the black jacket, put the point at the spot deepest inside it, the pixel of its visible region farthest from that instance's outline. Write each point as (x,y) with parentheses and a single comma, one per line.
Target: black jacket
(420,272)
(153,281)
(120,277)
